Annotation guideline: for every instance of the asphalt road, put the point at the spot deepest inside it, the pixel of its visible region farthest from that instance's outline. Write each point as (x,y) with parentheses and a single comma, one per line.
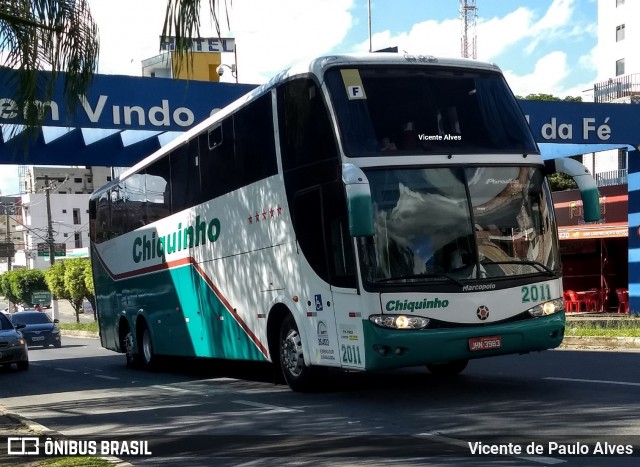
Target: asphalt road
(233,414)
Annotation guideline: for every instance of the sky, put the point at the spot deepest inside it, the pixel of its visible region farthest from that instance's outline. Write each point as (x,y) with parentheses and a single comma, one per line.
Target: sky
(542,46)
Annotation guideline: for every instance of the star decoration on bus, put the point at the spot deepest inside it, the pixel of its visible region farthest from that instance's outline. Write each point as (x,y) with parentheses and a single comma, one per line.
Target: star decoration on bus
(266,214)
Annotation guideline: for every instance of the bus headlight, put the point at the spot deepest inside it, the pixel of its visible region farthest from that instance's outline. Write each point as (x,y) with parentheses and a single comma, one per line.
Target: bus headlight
(547,308)
(399,321)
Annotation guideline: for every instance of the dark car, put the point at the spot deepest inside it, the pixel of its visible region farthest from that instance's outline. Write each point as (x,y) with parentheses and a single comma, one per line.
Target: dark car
(13,346)
(38,329)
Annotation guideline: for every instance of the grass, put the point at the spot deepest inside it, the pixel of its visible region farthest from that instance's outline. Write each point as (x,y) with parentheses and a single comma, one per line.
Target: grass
(92,326)
(616,327)
(79,461)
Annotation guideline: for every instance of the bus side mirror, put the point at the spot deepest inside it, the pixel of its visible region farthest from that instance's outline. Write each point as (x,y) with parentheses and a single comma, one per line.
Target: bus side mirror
(360,210)
(586,184)
(359,206)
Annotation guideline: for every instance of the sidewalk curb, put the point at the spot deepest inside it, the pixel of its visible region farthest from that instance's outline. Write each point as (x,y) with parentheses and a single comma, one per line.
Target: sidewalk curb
(30,424)
(609,343)
(84,334)
(41,430)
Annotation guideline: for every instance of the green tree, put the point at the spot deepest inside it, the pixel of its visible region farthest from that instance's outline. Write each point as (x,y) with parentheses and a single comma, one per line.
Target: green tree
(56,35)
(551,97)
(5,286)
(61,36)
(557,181)
(26,281)
(90,288)
(54,277)
(74,283)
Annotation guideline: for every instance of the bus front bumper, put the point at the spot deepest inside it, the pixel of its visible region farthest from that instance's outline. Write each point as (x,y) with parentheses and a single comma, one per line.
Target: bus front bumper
(389,348)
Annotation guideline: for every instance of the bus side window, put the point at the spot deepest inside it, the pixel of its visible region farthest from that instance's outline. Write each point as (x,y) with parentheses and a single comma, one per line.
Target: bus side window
(340,242)
(158,190)
(185,176)
(118,203)
(307,221)
(214,137)
(102,218)
(218,166)
(255,153)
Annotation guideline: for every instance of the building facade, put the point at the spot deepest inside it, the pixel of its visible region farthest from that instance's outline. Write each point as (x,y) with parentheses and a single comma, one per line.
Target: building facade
(618,79)
(64,180)
(64,222)
(618,58)
(11,238)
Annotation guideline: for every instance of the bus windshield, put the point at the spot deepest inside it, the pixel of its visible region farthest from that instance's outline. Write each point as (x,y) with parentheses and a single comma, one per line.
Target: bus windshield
(455,223)
(426,110)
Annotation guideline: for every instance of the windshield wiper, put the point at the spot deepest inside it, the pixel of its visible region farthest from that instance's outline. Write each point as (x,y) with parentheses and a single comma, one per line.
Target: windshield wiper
(421,276)
(541,267)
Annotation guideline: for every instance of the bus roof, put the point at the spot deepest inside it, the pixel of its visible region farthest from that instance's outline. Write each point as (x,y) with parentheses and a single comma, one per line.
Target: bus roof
(315,66)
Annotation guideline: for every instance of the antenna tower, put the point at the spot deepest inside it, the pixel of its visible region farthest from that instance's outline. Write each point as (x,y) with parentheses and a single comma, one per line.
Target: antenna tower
(468,19)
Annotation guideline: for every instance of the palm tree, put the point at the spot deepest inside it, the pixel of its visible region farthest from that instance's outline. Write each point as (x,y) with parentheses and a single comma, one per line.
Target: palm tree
(61,36)
(40,35)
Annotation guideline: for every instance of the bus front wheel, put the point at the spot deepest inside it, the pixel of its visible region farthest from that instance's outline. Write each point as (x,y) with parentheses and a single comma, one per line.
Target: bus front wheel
(298,376)
(448,368)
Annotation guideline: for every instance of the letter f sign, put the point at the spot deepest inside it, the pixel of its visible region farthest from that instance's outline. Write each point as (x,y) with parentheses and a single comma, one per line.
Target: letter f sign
(356,92)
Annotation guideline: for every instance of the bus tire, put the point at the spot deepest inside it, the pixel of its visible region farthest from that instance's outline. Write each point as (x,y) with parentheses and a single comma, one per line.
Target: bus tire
(145,351)
(133,358)
(298,376)
(447,369)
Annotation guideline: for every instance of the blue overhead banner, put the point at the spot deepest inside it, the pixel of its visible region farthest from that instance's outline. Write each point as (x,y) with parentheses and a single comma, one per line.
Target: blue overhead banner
(122,119)
(583,122)
(129,103)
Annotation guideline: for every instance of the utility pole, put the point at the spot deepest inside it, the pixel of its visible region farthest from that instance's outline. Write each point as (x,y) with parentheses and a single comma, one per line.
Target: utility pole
(6,210)
(52,246)
(369,19)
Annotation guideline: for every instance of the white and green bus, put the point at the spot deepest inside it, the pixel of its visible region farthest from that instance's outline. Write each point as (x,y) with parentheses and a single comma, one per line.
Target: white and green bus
(360,212)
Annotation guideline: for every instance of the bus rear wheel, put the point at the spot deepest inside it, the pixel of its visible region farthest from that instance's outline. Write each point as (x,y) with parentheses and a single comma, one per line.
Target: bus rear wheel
(146,349)
(133,358)
(298,376)
(447,369)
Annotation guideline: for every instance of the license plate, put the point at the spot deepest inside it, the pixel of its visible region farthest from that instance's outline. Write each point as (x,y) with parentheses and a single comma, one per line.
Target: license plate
(485,343)
(37,338)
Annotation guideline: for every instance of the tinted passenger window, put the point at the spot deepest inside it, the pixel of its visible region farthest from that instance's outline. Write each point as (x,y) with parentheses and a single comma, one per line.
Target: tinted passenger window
(254,141)
(306,134)
(185,176)
(158,190)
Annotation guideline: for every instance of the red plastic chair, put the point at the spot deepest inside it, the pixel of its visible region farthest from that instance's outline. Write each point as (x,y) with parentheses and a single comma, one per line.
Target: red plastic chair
(572,302)
(623,300)
(591,300)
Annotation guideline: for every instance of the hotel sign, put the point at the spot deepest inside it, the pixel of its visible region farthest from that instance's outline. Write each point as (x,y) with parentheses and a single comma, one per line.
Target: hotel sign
(201,44)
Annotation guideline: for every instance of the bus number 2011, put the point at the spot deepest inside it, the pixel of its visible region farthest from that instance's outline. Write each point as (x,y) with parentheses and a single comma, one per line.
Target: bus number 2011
(351,354)
(536,293)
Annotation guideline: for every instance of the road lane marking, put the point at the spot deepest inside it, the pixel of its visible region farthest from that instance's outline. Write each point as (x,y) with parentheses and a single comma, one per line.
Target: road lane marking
(65,369)
(436,435)
(171,388)
(106,377)
(269,408)
(598,381)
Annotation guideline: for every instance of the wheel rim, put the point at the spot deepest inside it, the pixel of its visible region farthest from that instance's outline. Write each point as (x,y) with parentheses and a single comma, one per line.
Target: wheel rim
(292,355)
(146,346)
